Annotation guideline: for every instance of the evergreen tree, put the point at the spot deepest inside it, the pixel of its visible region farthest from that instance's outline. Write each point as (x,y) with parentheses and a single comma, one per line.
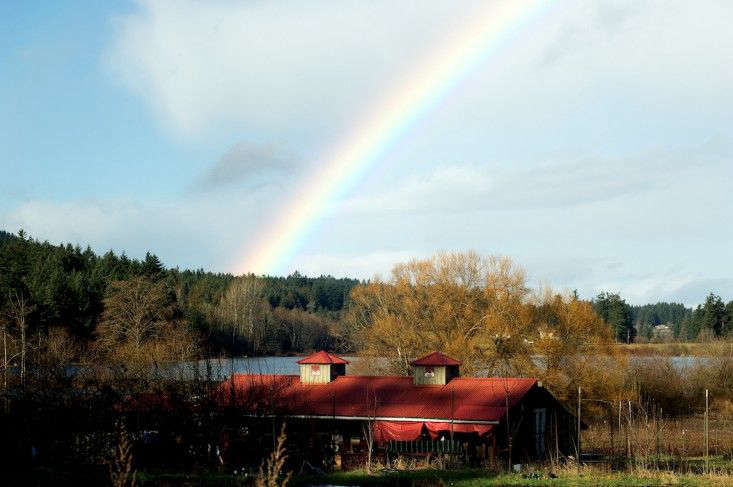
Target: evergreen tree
(728,320)
(712,314)
(151,266)
(614,310)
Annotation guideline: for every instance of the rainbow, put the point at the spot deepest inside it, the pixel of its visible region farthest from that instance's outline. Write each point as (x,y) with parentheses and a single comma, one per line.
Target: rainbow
(347,161)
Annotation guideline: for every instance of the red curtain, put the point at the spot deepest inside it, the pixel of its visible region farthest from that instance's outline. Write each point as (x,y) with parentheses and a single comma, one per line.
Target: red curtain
(396,431)
(435,428)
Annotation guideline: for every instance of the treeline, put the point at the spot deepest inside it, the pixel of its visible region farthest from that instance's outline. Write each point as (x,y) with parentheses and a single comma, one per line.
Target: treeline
(666,321)
(63,287)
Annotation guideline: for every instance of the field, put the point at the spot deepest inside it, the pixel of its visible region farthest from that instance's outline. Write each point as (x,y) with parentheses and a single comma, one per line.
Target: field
(539,477)
(716,348)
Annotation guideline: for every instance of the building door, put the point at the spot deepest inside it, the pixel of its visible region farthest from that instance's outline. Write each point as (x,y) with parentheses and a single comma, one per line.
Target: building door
(540,422)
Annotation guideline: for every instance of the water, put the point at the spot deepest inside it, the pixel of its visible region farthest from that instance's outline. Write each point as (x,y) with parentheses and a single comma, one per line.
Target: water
(680,362)
(225,367)
(222,368)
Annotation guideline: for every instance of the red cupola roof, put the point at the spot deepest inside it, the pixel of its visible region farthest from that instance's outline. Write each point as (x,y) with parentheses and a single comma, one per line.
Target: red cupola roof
(323,358)
(436,358)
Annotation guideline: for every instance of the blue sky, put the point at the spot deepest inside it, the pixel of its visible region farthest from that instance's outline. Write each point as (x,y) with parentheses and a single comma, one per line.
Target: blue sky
(594,148)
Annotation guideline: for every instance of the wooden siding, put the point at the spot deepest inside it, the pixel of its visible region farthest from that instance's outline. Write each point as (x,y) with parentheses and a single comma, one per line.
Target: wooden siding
(429,375)
(315,373)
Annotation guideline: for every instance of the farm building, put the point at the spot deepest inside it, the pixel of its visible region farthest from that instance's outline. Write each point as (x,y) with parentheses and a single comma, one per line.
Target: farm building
(333,419)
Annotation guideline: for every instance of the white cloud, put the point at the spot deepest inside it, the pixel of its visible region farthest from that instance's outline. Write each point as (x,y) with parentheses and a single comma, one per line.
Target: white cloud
(201,64)
(553,135)
(355,265)
(192,233)
(467,188)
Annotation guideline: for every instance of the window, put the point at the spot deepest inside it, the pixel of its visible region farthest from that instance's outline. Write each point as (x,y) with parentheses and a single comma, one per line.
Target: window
(429,372)
(315,370)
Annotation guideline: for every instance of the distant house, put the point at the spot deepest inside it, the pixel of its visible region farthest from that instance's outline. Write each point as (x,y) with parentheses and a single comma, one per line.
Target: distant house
(662,333)
(433,411)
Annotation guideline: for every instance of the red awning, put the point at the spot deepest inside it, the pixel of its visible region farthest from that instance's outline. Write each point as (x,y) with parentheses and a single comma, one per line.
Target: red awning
(435,428)
(410,431)
(396,431)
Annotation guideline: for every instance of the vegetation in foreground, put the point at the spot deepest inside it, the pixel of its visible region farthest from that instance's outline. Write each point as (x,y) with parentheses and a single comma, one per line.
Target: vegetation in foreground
(542,476)
(117,324)
(430,477)
(682,349)
(531,477)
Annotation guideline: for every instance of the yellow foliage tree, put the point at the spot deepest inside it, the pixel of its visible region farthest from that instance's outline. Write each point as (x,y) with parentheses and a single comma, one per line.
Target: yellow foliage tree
(481,311)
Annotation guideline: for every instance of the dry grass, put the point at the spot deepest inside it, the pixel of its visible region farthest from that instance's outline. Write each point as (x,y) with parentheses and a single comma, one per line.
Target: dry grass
(538,476)
(271,472)
(707,349)
(669,445)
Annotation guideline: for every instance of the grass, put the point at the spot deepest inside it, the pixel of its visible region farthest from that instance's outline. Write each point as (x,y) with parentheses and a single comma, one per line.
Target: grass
(707,349)
(431,477)
(588,476)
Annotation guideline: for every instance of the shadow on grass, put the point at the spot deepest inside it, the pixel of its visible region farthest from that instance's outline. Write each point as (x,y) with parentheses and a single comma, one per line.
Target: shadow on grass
(396,478)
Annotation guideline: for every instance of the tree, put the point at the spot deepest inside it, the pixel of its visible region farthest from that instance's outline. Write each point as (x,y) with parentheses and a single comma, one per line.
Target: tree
(613,309)
(476,309)
(18,310)
(457,303)
(300,330)
(728,320)
(134,311)
(577,347)
(139,326)
(481,311)
(709,319)
(151,266)
(713,314)
(243,310)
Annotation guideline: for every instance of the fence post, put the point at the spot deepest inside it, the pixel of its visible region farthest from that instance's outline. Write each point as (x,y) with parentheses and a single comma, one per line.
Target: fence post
(579,391)
(707,433)
(628,436)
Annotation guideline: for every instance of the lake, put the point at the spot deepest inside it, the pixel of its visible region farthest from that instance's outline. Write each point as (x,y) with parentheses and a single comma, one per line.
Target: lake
(224,367)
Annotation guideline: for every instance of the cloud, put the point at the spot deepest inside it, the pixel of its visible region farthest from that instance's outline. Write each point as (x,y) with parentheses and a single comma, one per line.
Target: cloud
(269,65)
(355,265)
(250,165)
(467,188)
(544,152)
(689,289)
(192,233)
(694,291)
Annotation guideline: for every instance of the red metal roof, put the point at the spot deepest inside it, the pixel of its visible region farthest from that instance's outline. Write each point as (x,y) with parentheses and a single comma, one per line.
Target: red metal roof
(436,358)
(463,399)
(323,358)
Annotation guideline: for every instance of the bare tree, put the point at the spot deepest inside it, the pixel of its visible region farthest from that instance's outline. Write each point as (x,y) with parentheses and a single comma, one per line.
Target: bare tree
(6,360)
(121,471)
(368,425)
(138,328)
(243,310)
(19,311)
(133,311)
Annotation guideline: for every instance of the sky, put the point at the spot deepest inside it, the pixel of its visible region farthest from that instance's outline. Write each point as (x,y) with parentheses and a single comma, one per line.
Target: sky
(593,145)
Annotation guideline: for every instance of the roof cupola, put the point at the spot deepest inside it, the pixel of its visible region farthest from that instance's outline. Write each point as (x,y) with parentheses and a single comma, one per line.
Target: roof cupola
(321,368)
(435,369)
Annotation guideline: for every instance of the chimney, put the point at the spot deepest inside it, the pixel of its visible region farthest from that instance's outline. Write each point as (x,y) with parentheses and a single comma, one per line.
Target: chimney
(321,368)
(435,369)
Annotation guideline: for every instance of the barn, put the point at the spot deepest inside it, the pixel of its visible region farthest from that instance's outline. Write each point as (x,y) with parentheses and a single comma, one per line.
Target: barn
(334,419)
